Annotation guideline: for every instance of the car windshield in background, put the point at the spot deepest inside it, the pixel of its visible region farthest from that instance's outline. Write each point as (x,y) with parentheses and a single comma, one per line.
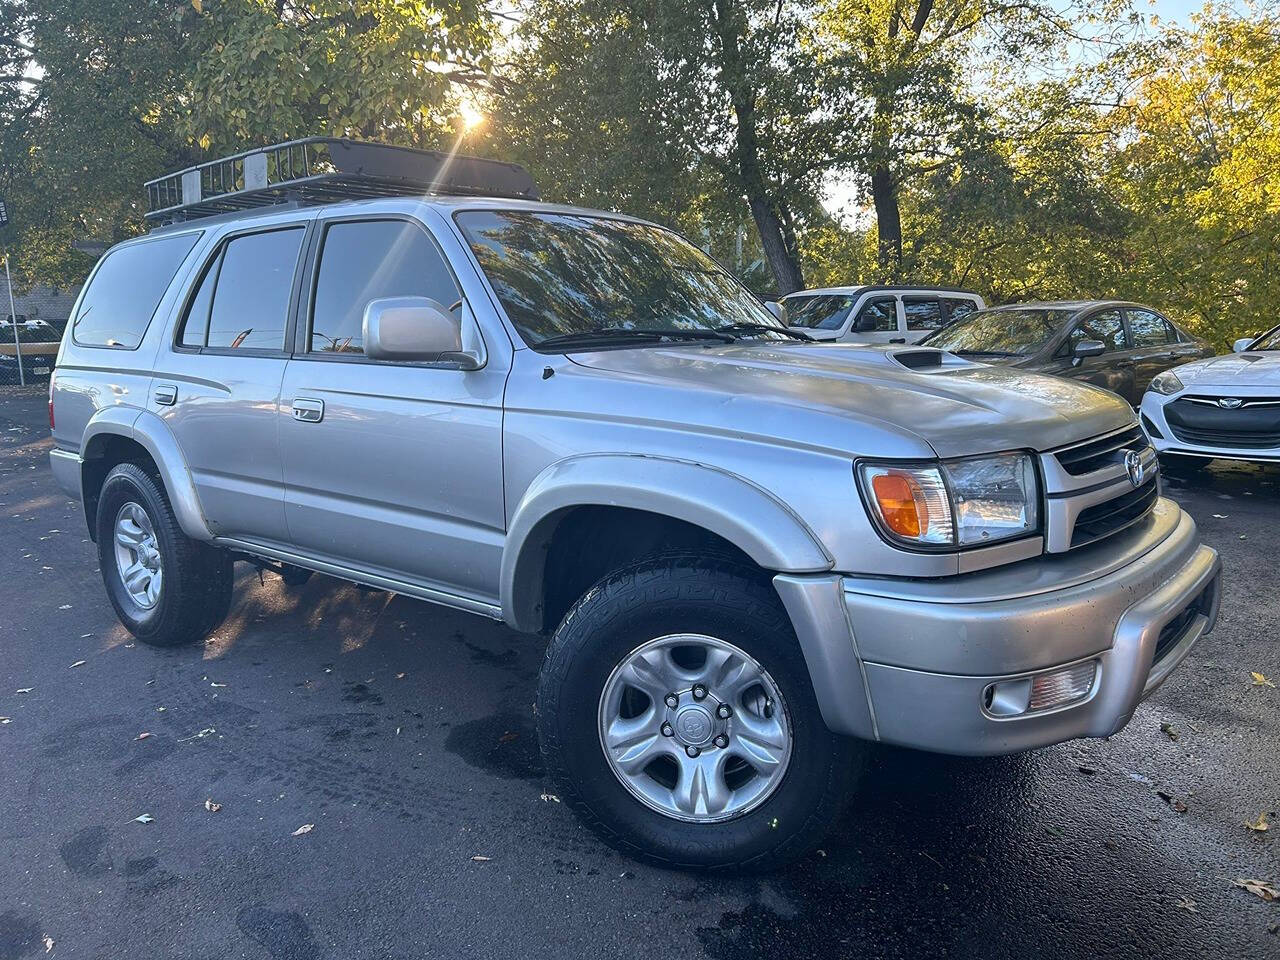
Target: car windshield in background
(1001,333)
(820,312)
(571,277)
(1268,341)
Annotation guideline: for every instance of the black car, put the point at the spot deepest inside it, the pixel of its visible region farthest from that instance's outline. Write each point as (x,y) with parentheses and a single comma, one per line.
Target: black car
(1114,344)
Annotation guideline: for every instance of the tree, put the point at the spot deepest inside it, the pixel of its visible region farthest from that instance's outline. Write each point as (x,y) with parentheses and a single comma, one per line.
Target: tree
(715,97)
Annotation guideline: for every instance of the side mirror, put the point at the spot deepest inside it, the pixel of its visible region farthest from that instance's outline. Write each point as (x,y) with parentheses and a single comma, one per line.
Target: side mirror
(778,310)
(1089,348)
(414,329)
(1241,345)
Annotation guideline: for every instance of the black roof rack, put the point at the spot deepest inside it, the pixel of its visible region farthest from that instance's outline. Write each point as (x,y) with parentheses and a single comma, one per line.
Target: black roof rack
(327,170)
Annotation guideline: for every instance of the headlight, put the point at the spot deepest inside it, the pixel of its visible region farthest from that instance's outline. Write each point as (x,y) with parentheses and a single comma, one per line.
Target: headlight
(1166,383)
(956,503)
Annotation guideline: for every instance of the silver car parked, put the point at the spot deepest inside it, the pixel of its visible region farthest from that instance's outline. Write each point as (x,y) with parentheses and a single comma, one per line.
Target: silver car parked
(750,553)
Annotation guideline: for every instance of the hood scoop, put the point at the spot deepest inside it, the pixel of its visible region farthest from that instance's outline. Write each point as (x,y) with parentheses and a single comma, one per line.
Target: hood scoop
(927,359)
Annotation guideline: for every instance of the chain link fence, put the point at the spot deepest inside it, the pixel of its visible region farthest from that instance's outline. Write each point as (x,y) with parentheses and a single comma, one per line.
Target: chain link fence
(37,346)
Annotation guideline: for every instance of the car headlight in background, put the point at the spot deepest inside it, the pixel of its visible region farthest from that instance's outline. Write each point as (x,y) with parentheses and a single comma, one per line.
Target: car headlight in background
(1166,383)
(955,503)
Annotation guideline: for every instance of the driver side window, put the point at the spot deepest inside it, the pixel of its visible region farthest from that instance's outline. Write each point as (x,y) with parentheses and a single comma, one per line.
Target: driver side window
(363,260)
(878,316)
(1106,327)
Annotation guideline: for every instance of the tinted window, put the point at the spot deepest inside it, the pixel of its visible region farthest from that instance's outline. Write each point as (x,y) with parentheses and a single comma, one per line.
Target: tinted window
(251,301)
(562,274)
(1105,327)
(878,316)
(196,322)
(922,314)
(369,260)
(124,293)
(1000,332)
(957,308)
(1150,329)
(825,312)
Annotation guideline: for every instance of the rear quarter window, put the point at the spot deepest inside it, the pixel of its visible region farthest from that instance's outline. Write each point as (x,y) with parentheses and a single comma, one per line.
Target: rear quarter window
(126,289)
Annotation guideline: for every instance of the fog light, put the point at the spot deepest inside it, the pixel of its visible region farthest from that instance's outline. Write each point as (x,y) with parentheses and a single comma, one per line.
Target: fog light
(1044,691)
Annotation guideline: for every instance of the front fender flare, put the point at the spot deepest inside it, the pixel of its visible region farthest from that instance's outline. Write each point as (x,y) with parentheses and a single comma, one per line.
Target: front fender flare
(748,516)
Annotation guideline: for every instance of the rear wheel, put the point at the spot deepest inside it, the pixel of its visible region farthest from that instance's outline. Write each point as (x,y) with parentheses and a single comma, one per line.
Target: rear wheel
(677,717)
(166,588)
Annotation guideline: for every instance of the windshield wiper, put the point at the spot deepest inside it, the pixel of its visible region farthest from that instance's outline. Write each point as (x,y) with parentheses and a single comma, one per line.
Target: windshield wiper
(749,328)
(982,353)
(602,335)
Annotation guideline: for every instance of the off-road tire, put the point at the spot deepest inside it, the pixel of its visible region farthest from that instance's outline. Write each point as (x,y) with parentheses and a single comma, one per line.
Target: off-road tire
(698,595)
(195,595)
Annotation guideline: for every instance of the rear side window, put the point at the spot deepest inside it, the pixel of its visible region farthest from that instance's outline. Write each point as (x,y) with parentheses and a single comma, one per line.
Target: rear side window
(1150,329)
(957,308)
(243,299)
(126,289)
(367,260)
(922,314)
(878,316)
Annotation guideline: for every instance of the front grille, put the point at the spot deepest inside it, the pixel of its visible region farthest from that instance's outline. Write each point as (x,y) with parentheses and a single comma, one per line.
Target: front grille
(1112,516)
(1255,424)
(1087,457)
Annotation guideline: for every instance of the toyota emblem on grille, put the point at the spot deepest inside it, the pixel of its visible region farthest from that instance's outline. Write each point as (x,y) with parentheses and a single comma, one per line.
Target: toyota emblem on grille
(1229,403)
(1133,466)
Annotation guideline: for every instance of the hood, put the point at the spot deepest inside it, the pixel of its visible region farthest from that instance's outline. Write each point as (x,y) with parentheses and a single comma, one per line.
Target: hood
(1252,368)
(857,398)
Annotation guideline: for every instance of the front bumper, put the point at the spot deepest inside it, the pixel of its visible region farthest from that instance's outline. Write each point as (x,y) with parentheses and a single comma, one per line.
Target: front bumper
(913,662)
(1165,440)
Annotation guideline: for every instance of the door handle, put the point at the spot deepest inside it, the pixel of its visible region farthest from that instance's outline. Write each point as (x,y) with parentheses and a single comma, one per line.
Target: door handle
(308,410)
(165,394)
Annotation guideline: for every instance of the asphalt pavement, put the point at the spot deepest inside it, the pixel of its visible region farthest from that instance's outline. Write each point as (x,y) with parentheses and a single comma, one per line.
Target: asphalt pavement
(346,773)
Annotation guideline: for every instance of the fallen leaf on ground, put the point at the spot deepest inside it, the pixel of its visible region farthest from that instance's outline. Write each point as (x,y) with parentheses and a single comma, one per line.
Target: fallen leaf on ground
(1259,888)
(197,736)
(1172,801)
(305,828)
(1088,771)
(65,606)
(1258,680)
(1168,730)
(1221,516)
(6,719)
(144,818)
(399,676)
(1260,825)
(25,689)
(80,663)
(48,944)
(217,684)
(1187,904)
(479,859)
(550,798)
(142,736)
(212,807)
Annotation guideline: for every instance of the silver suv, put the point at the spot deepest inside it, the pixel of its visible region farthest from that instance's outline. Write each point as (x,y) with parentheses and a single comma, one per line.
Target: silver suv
(751,554)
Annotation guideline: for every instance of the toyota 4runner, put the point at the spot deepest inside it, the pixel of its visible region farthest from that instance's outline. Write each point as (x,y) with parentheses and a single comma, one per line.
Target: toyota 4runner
(750,553)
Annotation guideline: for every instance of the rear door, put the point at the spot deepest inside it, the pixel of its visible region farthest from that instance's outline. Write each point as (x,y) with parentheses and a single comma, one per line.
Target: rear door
(922,315)
(1157,346)
(1113,369)
(391,468)
(217,382)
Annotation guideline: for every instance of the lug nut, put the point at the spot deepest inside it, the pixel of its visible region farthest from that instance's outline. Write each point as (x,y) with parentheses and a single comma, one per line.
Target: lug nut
(699,691)
(672,701)
(724,711)
(667,731)
(722,741)
(692,751)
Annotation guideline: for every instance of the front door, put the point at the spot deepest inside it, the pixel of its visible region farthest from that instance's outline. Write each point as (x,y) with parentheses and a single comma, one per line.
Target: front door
(390,468)
(876,321)
(1112,369)
(218,383)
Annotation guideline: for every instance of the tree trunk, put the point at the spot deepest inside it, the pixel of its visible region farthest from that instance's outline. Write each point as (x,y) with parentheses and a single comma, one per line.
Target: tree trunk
(884,193)
(784,259)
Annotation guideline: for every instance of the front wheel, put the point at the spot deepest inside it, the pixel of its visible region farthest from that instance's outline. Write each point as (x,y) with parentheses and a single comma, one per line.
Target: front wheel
(166,588)
(677,717)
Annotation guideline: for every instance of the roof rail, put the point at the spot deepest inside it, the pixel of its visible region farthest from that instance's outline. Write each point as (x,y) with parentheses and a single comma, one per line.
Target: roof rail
(326,170)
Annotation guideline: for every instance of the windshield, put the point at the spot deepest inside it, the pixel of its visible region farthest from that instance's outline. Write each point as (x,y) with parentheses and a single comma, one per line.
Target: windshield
(1019,332)
(1268,341)
(826,312)
(569,275)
